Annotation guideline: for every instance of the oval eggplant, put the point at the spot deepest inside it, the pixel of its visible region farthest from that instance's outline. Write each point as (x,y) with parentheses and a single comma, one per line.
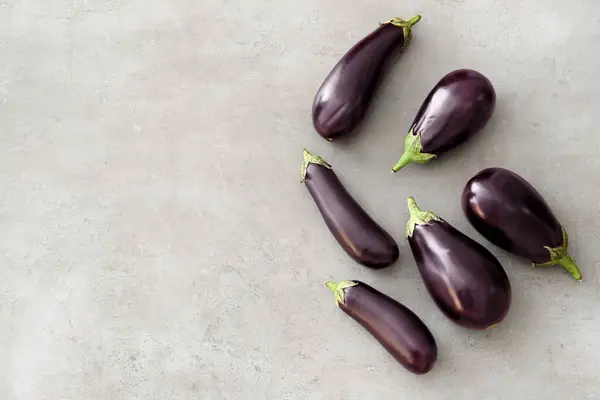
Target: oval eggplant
(398,329)
(459,106)
(465,280)
(346,93)
(360,236)
(509,212)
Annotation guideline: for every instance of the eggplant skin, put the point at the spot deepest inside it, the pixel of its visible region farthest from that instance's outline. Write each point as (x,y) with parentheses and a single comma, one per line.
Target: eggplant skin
(465,280)
(345,95)
(363,239)
(397,328)
(510,213)
(459,106)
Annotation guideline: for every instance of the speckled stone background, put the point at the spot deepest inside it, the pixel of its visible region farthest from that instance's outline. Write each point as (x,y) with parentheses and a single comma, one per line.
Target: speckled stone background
(155,240)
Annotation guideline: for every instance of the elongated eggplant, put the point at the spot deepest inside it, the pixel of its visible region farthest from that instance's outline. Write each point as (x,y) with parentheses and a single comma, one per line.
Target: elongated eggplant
(360,236)
(465,280)
(397,328)
(459,106)
(509,212)
(346,93)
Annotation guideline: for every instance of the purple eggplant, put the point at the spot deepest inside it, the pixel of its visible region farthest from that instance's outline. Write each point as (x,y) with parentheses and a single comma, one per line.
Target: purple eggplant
(509,212)
(465,280)
(459,106)
(359,235)
(344,97)
(398,329)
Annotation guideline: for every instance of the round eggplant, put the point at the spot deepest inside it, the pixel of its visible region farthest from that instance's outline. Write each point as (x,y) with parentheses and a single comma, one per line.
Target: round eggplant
(465,280)
(359,235)
(458,107)
(509,212)
(398,329)
(346,93)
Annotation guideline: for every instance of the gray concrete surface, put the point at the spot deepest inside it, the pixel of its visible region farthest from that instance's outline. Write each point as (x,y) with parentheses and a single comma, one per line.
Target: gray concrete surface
(156,242)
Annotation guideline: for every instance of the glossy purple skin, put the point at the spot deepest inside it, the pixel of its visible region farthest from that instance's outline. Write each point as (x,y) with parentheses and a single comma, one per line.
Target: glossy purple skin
(399,330)
(465,280)
(511,214)
(344,97)
(458,107)
(363,239)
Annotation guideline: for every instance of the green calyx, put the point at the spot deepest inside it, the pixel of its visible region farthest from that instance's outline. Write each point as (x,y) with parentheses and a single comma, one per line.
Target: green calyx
(338,290)
(406,26)
(413,152)
(560,256)
(311,159)
(418,217)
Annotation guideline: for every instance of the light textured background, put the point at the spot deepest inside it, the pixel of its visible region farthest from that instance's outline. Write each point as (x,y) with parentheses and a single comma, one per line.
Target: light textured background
(155,240)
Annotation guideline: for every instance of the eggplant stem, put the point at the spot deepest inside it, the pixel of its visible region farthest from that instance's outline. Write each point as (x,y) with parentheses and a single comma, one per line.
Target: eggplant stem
(338,290)
(417,217)
(413,152)
(309,158)
(406,26)
(403,162)
(560,256)
(569,264)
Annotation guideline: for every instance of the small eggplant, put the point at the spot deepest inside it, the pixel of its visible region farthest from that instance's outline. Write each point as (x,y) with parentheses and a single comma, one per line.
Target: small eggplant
(398,329)
(359,235)
(465,280)
(346,93)
(458,107)
(509,212)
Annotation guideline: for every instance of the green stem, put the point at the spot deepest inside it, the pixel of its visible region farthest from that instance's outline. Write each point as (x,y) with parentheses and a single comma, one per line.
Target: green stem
(560,256)
(403,162)
(309,158)
(338,290)
(569,264)
(413,152)
(417,217)
(406,26)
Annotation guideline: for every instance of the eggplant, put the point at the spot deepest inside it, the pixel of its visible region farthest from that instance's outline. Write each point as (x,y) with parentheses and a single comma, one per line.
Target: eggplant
(465,280)
(397,328)
(510,213)
(459,106)
(344,97)
(363,239)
